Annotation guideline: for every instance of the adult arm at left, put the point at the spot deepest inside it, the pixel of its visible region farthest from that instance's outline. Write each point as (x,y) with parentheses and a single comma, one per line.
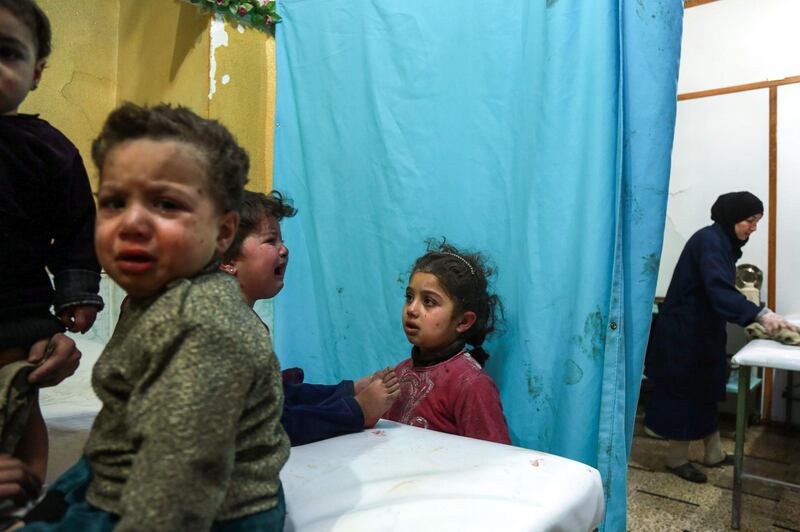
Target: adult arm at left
(59,358)
(71,257)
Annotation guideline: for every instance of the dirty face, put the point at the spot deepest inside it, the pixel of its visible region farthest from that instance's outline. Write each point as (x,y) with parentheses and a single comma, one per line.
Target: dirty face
(156,220)
(430,319)
(262,261)
(20,71)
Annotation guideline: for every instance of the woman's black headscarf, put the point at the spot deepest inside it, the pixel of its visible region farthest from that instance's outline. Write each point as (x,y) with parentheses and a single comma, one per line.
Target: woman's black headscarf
(732,208)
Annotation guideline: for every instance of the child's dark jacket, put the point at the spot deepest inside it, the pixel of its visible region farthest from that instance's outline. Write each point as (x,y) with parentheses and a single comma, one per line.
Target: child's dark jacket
(47,217)
(314,412)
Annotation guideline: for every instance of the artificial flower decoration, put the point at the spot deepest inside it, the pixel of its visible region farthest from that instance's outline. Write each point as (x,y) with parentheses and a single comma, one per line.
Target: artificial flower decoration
(259,14)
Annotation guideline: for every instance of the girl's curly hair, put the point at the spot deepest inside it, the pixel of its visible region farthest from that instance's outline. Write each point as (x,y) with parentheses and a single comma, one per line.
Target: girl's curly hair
(465,276)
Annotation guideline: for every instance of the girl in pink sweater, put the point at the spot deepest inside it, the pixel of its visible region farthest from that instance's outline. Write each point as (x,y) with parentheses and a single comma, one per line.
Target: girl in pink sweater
(443,385)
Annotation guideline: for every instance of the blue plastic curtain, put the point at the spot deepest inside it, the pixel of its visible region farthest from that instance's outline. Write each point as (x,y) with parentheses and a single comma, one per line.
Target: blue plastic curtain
(537,132)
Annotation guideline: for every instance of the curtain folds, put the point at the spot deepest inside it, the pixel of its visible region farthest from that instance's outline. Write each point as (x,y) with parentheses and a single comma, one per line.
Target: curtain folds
(537,132)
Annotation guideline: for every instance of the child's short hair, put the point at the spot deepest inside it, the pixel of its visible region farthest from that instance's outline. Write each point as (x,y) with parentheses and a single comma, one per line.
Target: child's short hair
(465,277)
(226,163)
(30,14)
(257,206)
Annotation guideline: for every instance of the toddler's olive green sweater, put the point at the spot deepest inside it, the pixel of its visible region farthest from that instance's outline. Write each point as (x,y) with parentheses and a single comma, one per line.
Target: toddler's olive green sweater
(190,431)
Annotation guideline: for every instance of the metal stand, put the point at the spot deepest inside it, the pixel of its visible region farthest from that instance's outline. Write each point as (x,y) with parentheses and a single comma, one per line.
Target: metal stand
(738,461)
(789,398)
(738,458)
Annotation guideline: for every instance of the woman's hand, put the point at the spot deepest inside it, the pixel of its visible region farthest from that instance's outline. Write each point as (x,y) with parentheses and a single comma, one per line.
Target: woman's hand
(774,322)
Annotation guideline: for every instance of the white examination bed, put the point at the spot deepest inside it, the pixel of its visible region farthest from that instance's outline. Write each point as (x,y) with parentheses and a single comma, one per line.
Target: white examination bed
(396,477)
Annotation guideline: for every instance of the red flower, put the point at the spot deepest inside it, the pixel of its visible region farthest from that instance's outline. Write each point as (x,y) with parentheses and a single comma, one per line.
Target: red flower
(242,11)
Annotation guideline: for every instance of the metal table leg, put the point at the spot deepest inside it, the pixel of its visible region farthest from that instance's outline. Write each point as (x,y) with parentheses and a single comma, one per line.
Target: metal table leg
(738,463)
(789,398)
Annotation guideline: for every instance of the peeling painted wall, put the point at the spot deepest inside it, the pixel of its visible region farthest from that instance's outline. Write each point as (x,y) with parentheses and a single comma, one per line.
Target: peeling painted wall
(210,65)
(150,51)
(163,54)
(79,84)
(243,95)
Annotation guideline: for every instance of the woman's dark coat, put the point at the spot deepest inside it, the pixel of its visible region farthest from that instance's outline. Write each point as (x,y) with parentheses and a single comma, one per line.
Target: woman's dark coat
(689,358)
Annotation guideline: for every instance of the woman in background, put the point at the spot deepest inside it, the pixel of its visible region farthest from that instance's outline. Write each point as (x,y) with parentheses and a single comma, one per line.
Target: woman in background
(689,366)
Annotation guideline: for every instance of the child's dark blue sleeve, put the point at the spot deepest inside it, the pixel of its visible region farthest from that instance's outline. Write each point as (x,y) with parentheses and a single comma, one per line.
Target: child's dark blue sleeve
(47,220)
(71,257)
(307,394)
(314,412)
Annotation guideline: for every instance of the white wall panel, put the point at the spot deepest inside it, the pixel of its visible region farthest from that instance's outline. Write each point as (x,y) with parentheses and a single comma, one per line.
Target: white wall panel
(721,145)
(787,268)
(733,42)
(787,274)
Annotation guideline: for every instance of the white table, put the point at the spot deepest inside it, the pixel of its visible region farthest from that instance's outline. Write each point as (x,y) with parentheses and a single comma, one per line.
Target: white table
(764,354)
(397,477)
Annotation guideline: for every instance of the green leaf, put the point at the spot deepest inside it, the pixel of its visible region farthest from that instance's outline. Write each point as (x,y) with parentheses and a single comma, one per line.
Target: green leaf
(254,14)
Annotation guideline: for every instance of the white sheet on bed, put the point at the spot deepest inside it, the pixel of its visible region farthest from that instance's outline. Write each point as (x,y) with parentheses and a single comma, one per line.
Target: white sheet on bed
(769,353)
(397,477)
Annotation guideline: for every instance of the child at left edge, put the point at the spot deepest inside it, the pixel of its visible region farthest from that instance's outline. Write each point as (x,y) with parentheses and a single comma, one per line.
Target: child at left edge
(47,217)
(189,435)
(258,258)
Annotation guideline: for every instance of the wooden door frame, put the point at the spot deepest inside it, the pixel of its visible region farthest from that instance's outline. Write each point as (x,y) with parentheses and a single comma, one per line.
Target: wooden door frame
(694,3)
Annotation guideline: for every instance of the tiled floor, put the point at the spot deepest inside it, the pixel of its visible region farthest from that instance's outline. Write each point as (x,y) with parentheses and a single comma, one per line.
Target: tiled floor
(660,501)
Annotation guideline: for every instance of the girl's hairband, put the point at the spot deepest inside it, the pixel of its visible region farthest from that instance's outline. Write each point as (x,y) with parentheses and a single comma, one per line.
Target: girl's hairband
(465,261)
